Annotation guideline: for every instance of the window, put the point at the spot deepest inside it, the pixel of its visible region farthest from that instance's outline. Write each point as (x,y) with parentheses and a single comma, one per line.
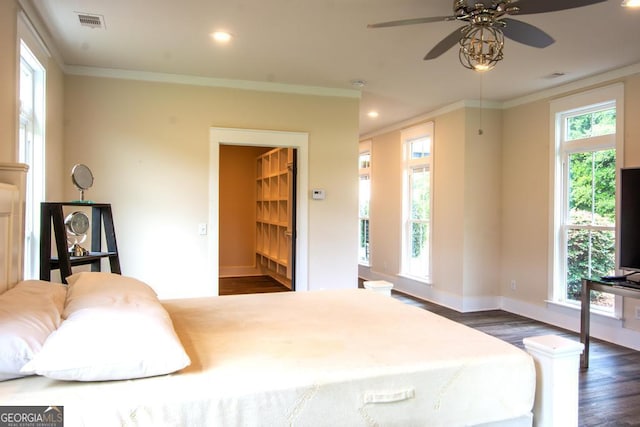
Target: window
(31,151)
(588,152)
(416,235)
(364,200)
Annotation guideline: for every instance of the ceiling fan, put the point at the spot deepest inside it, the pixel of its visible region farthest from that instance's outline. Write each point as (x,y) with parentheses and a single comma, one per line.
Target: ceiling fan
(482,38)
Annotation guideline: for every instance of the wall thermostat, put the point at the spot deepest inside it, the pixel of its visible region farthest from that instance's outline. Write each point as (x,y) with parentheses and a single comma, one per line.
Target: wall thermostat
(317,194)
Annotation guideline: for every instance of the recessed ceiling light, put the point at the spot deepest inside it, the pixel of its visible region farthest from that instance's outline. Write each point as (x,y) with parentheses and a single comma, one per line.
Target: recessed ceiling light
(221,36)
(373,114)
(631,3)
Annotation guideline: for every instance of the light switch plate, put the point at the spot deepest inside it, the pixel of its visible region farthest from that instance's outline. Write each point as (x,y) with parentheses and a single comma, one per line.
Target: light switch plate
(317,194)
(202,229)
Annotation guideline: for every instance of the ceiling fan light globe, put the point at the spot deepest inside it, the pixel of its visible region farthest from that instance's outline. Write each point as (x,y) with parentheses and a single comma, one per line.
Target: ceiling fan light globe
(481,47)
(483,67)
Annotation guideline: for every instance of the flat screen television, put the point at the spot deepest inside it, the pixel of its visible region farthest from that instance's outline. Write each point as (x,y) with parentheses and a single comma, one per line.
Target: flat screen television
(629,252)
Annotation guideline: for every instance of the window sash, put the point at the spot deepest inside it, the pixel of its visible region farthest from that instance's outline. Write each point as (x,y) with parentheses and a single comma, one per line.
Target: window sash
(31,151)
(417,202)
(568,287)
(363,218)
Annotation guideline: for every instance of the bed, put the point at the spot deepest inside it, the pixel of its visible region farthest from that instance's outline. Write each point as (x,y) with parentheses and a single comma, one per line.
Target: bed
(325,358)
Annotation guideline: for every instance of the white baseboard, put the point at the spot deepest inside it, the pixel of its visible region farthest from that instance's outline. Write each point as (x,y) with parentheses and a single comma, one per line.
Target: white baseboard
(239,271)
(428,292)
(601,327)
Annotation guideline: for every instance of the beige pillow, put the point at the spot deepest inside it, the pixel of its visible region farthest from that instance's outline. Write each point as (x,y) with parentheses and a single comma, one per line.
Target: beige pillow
(110,333)
(29,313)
(94,289)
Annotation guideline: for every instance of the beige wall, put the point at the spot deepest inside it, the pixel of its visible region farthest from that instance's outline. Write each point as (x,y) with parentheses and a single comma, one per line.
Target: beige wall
(526,200)
(466,210)
(632,121)
(55,174)
(448,203)
(491,212)
(386,202)
(8,80)
(482,210)
(632,159)
(148,146)
(237,235)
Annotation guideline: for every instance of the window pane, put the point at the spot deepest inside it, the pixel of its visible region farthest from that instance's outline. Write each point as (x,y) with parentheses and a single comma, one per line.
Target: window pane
(420,194)
(589,253)
(363,249)
(420,147)
(365,160)
(419,261)
(591,124)
(26,87)
(365,195)
(364,198)
(592,188)
(416,201)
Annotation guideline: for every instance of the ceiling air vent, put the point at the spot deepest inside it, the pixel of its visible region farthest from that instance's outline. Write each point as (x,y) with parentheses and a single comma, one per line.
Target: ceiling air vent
(555,75)
(91,20)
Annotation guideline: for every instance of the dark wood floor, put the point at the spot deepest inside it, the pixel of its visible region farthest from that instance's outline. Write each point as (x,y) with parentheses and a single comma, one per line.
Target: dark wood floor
(609,389)
(249,285)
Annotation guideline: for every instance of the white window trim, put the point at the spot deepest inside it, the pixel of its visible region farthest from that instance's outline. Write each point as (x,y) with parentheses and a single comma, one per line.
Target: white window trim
(406,135)
(596,98)
(365,147)
(28,33)
(31,47)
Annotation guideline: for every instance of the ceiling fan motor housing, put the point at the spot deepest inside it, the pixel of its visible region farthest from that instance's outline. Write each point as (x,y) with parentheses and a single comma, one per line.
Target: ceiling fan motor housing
(480,13)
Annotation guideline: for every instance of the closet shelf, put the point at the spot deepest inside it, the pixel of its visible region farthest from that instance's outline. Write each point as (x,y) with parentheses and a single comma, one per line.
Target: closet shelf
(274,219)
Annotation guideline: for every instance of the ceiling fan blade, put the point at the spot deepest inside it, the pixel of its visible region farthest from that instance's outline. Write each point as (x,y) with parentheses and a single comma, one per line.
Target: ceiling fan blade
(526,33)
(444,45)
(409,22)
(541,6)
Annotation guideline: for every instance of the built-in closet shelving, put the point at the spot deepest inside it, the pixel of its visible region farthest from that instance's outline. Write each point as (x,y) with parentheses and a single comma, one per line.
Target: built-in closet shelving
(274,213)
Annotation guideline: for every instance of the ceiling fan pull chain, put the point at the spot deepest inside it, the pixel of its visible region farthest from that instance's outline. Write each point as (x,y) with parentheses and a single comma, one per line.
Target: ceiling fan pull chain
(480,131)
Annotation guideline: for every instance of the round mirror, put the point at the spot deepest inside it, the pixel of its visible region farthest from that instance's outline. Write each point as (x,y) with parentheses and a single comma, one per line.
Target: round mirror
(82,178)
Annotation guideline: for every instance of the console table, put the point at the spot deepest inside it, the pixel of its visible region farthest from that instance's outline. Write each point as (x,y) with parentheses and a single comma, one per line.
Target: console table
(625,289)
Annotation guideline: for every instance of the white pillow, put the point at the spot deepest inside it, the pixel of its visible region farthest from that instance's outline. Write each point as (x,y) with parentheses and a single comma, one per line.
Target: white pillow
(110,336)
(29,313)
(94,289)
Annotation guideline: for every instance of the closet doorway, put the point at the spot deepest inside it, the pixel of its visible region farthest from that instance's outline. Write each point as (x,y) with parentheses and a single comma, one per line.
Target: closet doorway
(266,140)
(257,218)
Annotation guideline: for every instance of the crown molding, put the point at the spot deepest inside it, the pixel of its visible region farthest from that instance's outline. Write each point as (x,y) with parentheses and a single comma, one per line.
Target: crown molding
(466,103)
(209,81)
(606,77)
(35,24)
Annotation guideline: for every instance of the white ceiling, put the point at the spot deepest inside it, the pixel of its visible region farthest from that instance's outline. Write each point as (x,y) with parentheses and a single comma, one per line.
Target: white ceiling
(326,43)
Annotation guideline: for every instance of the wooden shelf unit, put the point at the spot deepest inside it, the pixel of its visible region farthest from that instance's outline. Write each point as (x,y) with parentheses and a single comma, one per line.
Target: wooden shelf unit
(274,213)
(52,213)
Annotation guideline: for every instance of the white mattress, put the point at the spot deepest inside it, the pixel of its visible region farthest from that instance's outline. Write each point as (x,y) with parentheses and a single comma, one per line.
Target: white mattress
(326,358)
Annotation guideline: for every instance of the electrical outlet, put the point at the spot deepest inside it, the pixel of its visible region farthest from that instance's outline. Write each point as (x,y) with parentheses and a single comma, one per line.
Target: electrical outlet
(513,284)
